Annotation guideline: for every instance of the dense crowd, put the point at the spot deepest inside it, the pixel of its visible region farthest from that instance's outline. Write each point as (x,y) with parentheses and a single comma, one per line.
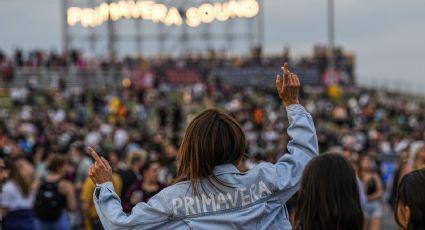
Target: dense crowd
(44,137)
(74,60)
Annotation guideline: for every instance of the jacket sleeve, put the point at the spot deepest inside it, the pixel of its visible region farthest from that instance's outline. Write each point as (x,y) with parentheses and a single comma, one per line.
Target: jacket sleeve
(302,147)
(284,176)
(149,215)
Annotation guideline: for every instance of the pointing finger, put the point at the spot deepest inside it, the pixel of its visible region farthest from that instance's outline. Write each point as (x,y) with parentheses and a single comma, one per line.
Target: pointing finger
(94,155)
(106,163)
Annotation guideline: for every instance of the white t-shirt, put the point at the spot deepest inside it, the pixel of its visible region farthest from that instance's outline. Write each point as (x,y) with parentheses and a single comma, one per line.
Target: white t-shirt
(120,138)
(13,199)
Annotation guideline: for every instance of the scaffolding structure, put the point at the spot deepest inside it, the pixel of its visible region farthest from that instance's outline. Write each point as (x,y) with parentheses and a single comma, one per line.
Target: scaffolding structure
(144,38)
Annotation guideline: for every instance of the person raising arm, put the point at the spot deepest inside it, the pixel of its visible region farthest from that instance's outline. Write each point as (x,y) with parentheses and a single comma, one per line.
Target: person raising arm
(209,191)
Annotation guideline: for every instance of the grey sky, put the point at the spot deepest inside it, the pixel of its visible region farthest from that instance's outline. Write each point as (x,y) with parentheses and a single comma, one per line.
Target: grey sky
(388,36)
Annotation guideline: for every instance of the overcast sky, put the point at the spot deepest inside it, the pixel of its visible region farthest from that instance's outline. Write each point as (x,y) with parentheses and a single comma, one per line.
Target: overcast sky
(388,36)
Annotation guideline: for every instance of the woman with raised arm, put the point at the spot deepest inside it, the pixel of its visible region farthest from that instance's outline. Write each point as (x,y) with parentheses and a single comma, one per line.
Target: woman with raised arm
(210,192)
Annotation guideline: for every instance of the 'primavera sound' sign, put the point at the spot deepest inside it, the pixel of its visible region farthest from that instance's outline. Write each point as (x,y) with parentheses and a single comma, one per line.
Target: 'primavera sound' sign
(160,13)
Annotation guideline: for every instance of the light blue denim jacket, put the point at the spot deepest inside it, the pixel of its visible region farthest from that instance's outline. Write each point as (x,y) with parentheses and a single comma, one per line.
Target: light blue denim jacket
(250,200)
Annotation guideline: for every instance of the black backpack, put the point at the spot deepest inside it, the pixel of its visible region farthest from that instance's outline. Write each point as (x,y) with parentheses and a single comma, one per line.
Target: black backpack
(49,203)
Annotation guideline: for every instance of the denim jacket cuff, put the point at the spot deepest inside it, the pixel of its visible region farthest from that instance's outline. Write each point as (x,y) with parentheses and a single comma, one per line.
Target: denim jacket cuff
(294,109)
(101,187)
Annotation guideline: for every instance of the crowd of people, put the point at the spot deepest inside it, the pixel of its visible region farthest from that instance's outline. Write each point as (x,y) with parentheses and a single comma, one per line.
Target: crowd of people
(44,137)
(34,61)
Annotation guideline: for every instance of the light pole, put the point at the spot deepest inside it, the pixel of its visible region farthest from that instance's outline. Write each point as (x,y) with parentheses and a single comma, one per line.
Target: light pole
(111,37)
(65,34)
(331,40)
(260,24)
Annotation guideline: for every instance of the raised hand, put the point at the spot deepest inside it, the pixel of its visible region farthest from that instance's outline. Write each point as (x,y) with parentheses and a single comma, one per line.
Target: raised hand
(99,172)
(288,88)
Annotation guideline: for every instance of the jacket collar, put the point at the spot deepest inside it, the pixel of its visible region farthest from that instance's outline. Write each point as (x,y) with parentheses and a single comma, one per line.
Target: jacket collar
(224,169)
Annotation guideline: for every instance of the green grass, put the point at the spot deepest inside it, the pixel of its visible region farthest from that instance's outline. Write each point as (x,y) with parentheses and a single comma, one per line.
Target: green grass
(5,102)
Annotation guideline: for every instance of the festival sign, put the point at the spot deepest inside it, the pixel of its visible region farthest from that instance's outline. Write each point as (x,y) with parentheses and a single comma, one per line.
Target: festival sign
(160,13)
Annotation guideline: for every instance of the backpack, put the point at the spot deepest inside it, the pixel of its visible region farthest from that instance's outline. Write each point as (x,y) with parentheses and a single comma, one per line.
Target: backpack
(49,203)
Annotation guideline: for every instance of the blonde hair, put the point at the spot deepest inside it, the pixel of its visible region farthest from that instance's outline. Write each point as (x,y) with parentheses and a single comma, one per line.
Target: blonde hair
(134,156)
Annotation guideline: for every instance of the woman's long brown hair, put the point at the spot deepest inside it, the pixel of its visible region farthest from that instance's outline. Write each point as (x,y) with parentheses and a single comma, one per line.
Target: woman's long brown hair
(410,193)
(329,196)
(16,176)
(212,138)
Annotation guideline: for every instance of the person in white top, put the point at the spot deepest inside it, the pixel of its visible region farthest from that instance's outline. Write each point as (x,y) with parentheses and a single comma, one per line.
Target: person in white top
(17,197)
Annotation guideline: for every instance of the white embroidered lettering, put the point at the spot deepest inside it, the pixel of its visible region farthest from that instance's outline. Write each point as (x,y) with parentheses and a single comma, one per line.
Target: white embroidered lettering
(221,200)
(188,204)
(253,191)
(244,198)
(198,205)
(233,200)
(177,203)
(263,189)
(208,201)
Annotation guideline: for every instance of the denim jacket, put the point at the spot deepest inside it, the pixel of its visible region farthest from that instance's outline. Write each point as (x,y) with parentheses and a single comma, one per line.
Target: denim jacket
(244,200)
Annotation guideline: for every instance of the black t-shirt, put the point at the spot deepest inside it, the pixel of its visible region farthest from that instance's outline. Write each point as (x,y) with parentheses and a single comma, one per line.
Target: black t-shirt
(128,177)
